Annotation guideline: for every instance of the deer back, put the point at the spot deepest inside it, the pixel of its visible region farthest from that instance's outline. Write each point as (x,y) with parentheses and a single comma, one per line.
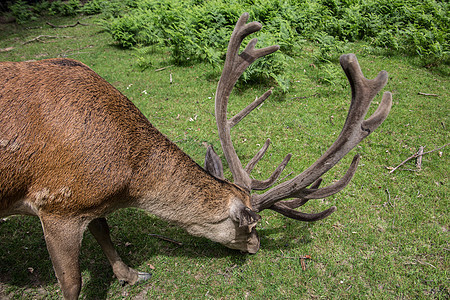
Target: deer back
(71,143)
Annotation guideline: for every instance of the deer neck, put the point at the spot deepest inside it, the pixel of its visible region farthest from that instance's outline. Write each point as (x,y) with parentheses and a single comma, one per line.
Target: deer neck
(170,185)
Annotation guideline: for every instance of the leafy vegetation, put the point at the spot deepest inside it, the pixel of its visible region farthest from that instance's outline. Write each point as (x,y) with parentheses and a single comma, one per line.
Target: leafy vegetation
(389,237)
(196,30)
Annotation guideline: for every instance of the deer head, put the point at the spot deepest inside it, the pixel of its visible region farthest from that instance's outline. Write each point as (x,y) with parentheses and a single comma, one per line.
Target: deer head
(304,186)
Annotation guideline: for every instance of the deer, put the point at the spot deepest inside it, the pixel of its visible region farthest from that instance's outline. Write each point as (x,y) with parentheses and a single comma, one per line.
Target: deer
(74,149)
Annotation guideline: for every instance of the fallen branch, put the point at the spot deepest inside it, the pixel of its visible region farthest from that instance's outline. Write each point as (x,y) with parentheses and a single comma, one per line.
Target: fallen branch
(160,69)
(302,259)
(430,95)
(419,158)
(72,52)
(304,97)
(6,49)
(39,37)
(65,26)
(389,198)
(425,263)
(166,239)
(419,153)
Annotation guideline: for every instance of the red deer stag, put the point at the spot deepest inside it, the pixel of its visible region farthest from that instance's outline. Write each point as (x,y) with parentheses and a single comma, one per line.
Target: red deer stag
(73,149)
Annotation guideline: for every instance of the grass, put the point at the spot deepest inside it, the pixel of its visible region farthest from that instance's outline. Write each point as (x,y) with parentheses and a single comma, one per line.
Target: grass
(388,239)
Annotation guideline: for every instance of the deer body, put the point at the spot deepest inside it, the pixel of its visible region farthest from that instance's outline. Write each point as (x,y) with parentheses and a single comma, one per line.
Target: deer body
(71,144)
(73,149)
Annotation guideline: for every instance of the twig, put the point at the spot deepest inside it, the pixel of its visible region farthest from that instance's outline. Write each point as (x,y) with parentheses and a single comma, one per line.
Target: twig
(72,52)
(389,197)
(304,97)
(419,158)
(302,263)
(425,263)
(163,68)
(409,170)
(45,36)
(65,26)
(416,155)
(6,49)
(302,259)
(166,239)
(170,78)
(425,94)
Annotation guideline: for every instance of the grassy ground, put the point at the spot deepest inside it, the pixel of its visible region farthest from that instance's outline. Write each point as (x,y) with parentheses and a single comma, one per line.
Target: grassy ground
(388,239)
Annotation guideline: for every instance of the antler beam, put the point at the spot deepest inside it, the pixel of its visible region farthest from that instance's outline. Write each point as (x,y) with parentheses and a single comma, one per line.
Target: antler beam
(355,129)
(235,65)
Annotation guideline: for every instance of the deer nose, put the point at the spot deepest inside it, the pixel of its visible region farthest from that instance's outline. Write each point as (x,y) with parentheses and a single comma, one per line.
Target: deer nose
(254,243)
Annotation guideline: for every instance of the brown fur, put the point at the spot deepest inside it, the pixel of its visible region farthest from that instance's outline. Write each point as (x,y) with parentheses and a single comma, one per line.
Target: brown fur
(74,149)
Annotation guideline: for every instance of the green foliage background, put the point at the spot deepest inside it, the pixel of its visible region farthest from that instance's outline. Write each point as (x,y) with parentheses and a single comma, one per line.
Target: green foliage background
(199,30)
(195,30)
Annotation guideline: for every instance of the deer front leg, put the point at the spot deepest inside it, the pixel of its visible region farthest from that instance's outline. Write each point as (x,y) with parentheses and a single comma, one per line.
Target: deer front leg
(63,238)
(100,230)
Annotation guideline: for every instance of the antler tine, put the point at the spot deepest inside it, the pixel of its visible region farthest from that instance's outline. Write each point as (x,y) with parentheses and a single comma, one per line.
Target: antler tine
(243,113)
(234,66)
(354,131)
(251,164)
(297,215)
(316,193)
(294,203)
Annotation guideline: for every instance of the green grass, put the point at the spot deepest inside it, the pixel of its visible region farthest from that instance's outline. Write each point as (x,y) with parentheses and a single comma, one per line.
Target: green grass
(388,239)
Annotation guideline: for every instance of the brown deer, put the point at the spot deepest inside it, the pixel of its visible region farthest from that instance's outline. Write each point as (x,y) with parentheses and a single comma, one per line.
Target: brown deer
(73,149)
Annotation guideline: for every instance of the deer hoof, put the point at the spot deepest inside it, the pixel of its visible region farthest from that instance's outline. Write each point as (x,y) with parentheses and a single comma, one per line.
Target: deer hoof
(142,276)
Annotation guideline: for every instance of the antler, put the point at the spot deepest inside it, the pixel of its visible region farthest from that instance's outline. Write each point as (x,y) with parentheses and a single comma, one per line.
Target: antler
(234,66)
(355,129)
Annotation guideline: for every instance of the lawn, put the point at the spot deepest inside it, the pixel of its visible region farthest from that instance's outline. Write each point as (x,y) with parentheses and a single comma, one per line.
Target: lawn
(389,237)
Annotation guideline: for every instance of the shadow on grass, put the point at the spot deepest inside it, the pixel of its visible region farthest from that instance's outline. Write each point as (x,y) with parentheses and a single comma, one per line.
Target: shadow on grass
(25,263)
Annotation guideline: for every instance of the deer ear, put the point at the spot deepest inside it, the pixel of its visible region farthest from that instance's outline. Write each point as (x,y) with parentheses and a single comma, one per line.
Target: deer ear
(242,214)
(213,164)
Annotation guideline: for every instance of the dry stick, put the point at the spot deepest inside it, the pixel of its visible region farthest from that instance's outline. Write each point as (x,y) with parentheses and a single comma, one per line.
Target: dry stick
(425,263)
(72,52)
(389,197)
(416,155)
(65,26)
(419,158)
(46,36)
(304,97)
(425,94)
(160,69)
(166,239)
(6,49)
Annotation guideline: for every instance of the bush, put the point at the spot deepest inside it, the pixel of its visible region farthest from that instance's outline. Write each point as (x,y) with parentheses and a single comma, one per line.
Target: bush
(22,11)
(196,30)
(199,30)
(69,8)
